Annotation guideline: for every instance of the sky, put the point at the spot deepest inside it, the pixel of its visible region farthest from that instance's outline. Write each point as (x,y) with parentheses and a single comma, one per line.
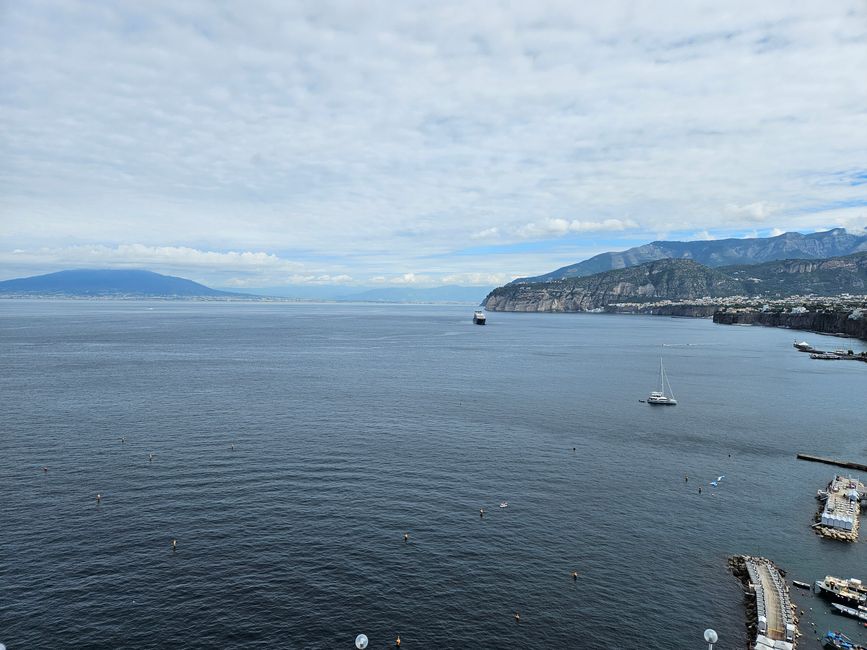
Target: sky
(260,144)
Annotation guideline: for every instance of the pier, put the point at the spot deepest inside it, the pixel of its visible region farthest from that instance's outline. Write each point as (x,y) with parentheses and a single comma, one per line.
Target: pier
(830,461)
(772,622)
(839,517)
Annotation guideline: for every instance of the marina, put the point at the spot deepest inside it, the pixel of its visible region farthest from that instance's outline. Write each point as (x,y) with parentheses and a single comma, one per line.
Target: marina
(836,355)
(771,615)
(839,517)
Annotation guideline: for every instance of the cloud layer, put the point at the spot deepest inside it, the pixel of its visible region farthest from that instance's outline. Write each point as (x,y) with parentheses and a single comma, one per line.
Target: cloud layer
(382,139)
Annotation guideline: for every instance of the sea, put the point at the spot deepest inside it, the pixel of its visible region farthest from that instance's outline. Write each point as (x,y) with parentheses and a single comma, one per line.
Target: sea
(288,448)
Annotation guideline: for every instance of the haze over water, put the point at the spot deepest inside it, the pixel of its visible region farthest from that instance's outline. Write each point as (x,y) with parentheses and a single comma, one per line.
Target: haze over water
(353,424)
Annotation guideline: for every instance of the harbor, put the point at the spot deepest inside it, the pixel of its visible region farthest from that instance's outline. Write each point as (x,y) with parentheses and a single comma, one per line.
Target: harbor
(836,355)
(771,616)
(839,516)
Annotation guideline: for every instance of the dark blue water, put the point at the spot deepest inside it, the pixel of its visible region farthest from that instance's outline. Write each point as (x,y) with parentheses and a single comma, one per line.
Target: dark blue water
(355,424)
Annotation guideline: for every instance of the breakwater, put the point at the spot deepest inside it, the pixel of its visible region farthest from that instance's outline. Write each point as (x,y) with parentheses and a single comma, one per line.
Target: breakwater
(842,322)
(831,461)
(771,618)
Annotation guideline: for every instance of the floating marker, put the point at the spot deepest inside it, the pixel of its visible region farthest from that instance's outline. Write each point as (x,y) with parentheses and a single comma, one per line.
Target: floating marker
(360,642)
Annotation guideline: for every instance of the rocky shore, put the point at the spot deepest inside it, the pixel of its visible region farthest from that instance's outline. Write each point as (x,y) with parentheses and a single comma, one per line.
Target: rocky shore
(844,322)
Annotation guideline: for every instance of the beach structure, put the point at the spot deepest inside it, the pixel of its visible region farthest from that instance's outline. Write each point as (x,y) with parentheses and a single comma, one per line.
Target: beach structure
(840,513)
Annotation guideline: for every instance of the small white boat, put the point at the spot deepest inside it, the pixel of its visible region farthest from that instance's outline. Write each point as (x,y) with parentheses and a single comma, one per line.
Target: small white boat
(659,396)
(479,317)
(504,504)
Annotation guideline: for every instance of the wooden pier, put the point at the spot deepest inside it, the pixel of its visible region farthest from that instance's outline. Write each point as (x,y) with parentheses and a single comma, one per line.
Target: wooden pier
(829,461)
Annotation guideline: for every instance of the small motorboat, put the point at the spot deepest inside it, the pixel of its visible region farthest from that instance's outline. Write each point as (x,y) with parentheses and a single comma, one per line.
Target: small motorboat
(504,504)
(802,585)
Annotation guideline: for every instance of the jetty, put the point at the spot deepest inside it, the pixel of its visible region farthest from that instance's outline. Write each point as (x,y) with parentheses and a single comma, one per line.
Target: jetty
(839,517)
(771,615)
(830,461)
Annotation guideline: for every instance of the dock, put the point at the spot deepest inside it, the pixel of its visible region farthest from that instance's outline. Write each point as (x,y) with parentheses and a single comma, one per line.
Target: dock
(830,461)
(772,621)
(840,515)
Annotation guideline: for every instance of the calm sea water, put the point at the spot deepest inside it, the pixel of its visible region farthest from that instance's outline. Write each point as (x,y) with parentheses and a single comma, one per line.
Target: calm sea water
(354,424)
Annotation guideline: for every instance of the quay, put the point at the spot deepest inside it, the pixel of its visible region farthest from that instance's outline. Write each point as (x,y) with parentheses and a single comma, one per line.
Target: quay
(830,461)
(771,615)
(840,514)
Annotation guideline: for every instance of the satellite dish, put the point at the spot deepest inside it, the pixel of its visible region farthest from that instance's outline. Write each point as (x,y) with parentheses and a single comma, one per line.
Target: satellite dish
(710,636)
(360,642)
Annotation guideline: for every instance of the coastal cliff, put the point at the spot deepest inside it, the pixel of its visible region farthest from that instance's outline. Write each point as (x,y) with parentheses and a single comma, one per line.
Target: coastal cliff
(684,281)
(681,279)
(844,322)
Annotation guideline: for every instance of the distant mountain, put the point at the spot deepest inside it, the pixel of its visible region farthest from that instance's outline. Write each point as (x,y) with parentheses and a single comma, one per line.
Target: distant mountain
(679,279)
(448,293)
(109,283)
(720,252)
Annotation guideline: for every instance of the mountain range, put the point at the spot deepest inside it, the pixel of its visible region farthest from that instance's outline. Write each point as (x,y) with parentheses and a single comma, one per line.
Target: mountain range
(105,283)
(685,279)
(110,283)
(716,253)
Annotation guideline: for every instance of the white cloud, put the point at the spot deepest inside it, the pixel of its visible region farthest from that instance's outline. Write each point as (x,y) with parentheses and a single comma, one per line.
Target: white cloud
(487,233)
(776,232)
(366,140)
(561,227)
(757,211)
(478,279)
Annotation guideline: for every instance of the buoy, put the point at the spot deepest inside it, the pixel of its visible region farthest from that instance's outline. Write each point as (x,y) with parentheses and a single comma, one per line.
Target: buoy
(233,447)
(405,538)
(150,457)
(361,642)
(98,497)
(397,641)
(686,479)
(575,575)
(699,489)
(517,617)
(44,468)
(481,512)
(122,440)
(174,544)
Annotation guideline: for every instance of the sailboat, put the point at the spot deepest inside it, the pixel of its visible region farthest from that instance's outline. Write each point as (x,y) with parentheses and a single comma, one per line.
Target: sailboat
(659,396)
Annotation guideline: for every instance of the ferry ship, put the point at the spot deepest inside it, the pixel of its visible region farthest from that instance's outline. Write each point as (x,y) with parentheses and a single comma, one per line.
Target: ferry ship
(479,317)
(851,591)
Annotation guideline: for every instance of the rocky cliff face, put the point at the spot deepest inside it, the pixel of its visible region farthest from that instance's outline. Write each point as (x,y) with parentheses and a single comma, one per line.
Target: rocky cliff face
(846,322)
(686,280)
(664,279)
(721,252)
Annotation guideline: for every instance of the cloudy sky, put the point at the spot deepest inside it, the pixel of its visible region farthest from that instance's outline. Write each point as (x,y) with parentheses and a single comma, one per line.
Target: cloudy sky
(259,143)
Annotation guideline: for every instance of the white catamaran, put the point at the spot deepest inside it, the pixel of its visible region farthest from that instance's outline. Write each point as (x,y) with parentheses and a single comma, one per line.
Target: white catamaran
(659,396)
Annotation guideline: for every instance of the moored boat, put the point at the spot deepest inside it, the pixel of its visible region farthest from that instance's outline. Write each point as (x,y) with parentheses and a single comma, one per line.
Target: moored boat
(848,592)
(659,396)
(860,613)
(841,641)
